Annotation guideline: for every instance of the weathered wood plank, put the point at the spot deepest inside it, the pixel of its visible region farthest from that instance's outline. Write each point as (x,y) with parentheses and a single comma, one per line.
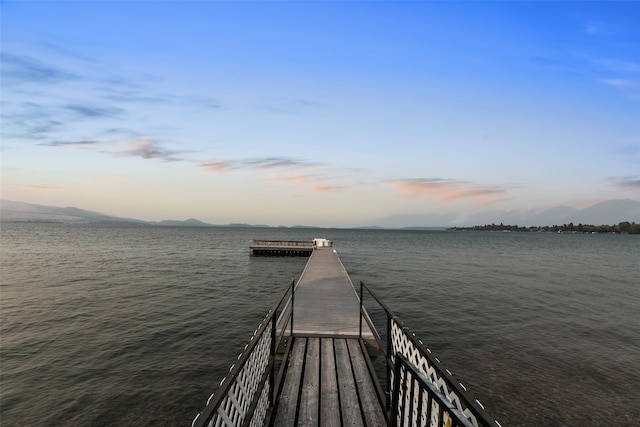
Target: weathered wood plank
(351,414)
(288,402)
(329,398)
(368,399)
(310,394)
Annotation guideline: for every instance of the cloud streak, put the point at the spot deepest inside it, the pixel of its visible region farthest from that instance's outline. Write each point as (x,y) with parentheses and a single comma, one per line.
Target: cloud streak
(94,112)
(303,181)
(627,182)
(146,149)
(69,143)
(44,187)
(143,148)
(24,69)
(447,190)
(621,83)
(218,166)
(279,162)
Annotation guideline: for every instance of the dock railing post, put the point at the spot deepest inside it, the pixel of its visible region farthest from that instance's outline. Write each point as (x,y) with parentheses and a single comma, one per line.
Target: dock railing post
(274,349)
(389,356)
(360,333)
(293,287)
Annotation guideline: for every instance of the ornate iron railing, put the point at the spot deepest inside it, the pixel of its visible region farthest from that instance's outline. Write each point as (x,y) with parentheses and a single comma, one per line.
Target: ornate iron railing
(418,389)
(247,393)
(432,394)
(418,402)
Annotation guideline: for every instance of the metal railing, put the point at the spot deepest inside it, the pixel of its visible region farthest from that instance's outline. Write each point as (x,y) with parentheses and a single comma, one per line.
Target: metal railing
(285,243)
(418,389)
(247,394)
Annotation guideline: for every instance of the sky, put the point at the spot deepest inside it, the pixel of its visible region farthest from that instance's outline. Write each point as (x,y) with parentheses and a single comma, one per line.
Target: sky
(319,113)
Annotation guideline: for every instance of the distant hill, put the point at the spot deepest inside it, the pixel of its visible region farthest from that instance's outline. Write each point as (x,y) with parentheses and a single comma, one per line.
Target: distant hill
(186,223)
(610,212)
(11,211)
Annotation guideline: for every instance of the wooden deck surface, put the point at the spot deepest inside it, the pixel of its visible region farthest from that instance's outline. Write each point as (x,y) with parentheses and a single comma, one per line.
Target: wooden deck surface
(325,302)
(327,384)
(327,381)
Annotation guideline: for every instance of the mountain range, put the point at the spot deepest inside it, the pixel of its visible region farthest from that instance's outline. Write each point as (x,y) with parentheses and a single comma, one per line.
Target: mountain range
(609,212)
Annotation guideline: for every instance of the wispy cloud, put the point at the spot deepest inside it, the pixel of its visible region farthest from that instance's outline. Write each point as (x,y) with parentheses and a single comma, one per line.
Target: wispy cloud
(627,182)
(144,148)
(81,143)
(136,95)
(447,190)
(24,69)
(43,187)
(618,66)
(621,82)
(294,106)
(219,166)
(279,162)
(147,149)
(303,181)
(29,120)
(93,112)
(623,75)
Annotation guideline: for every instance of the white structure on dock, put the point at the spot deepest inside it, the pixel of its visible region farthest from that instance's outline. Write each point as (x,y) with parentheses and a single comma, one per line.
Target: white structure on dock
(322,243)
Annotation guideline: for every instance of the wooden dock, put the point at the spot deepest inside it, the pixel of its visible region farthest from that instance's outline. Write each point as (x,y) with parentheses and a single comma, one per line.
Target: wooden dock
(326,303)
(282,247)
(308,362)
(327,382)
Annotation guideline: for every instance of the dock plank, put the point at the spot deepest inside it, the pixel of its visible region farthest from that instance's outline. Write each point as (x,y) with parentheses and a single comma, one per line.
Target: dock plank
(368,399)
(351,413)
(329,397)
(334,387)
(310,393)
(288,401)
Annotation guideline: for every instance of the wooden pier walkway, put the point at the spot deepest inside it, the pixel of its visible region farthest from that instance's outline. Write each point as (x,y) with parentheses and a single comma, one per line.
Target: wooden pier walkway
(327,382)
(325,376)
(326,303)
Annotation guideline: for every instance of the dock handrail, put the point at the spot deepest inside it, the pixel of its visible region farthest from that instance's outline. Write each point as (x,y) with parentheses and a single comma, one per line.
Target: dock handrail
(248,392)
(406,354)
(303,243)
(417,401)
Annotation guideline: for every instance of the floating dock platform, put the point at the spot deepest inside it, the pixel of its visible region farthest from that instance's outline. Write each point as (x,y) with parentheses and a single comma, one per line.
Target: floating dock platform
(286,247)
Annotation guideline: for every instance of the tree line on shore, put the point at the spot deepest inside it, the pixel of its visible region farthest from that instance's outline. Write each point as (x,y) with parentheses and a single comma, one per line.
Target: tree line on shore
(624,227)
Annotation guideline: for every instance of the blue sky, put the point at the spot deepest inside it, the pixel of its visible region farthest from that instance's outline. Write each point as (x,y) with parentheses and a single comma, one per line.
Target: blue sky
(323,113)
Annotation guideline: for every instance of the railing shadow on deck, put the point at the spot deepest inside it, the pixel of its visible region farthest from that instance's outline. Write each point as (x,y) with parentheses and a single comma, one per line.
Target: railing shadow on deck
(418,390)
(247,394)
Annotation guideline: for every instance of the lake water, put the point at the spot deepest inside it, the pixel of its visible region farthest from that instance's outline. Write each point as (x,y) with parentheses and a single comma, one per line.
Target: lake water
(119,325)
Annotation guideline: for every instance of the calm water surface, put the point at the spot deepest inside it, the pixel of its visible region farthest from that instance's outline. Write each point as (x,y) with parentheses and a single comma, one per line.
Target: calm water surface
(137,325)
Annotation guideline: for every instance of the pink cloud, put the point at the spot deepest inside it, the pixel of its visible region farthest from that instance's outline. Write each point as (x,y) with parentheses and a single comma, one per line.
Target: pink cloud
(306,181)
(147,149)
(217,166)
(447,190)
(321,188)
(44,187)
